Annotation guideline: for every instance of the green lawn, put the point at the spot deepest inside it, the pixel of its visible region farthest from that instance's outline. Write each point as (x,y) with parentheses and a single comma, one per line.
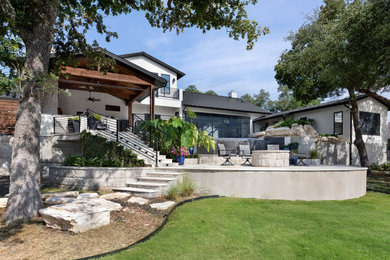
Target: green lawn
(265,229)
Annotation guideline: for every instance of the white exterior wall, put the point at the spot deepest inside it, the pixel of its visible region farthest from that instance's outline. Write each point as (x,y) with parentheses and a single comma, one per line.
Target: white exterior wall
(323,122)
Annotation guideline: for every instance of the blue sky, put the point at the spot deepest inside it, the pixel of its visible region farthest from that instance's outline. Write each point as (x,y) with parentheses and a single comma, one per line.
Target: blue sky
(213,60)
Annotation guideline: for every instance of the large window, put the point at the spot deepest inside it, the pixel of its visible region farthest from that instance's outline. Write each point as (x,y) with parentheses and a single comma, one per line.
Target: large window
(167,89)
(338,123)
(370,123)
(222,126)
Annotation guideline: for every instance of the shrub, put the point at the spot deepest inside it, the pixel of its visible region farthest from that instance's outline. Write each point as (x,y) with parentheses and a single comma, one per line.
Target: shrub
(314,154)
(327,135)
(374,167)
(289,122)
(98,152)
(97,117)
(173,191)
(187,186)
(75,118)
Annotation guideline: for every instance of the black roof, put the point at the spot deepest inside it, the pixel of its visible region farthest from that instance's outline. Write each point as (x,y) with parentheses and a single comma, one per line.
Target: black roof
(142,53)
(220,102)
(343,101)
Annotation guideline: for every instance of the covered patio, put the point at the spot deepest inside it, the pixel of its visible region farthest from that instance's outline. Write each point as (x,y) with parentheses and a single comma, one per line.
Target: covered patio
(127,82)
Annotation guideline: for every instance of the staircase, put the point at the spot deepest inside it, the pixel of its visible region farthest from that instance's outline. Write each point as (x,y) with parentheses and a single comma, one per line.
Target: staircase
(129,140)
(152,185)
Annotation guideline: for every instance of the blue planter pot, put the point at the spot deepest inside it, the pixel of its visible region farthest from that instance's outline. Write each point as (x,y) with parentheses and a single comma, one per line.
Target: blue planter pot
(293,160)
(180,159)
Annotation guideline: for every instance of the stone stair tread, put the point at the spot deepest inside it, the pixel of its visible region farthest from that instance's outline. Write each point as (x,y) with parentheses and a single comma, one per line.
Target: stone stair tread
(157,178)
(145,183)
(131,189)
(165,173)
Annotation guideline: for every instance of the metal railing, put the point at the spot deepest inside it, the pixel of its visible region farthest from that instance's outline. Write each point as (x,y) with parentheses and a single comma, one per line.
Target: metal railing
(172,93)
(69,124)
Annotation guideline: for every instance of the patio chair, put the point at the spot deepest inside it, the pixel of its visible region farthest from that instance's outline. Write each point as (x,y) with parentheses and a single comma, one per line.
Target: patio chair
(226,154)
(300,156)
(245,153)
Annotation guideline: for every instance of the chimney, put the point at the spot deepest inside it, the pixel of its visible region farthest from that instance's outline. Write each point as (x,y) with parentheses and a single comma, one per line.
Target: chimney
(233,94)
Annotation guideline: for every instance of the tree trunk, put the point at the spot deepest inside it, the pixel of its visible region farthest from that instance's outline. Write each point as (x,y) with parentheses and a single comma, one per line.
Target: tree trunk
(358,131)
(24,197)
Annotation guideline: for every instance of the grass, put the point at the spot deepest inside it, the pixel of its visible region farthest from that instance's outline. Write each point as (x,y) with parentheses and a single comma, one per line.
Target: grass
(232,228)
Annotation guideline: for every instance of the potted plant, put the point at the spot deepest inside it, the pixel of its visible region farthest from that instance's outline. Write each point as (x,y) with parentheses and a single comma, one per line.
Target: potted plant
(74,124)
(294,158)
(93,121)
(180,153)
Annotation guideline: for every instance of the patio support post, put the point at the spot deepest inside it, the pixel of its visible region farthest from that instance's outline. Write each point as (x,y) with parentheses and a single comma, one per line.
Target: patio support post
(151,109)
(130,114)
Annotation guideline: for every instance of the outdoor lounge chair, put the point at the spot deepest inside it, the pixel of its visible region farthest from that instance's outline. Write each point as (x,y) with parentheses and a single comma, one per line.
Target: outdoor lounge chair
(245,153)
(300,156)
(226,154)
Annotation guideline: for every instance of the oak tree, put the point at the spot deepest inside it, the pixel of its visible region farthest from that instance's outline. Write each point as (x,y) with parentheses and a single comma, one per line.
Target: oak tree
(44,26)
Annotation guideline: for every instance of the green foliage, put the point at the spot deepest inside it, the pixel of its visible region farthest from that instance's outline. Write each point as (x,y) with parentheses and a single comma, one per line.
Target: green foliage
(193,89)
(327,135)
(190,113)
(314,154)
(382,167)
(286,101)
(98,152)
(75,118)
(289,122)
(176,133)
(211,93)
(344,46)
(183,188)
(97,117)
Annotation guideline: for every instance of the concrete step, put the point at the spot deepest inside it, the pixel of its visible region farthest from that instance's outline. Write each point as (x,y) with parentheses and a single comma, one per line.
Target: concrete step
(141,192)
(156,179)
(146,185)
(163,174)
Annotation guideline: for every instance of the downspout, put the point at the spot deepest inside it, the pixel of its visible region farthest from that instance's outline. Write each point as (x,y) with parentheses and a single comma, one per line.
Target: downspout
(350,135)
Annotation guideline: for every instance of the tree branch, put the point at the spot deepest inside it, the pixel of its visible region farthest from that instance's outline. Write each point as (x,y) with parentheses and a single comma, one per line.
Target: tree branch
(7,9)
(382,99)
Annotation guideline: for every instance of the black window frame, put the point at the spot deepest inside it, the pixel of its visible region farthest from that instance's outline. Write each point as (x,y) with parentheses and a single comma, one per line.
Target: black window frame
(342,122)
(167,89)
(362,125)
(114,108)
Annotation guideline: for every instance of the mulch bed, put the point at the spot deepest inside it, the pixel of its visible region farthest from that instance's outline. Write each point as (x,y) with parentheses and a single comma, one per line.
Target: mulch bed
(35,241)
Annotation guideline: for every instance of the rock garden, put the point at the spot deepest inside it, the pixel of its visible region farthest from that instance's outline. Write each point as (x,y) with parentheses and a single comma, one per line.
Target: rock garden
(76,224)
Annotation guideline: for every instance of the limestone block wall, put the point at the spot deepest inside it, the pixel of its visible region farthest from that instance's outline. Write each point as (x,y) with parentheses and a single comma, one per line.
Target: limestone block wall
(93,178)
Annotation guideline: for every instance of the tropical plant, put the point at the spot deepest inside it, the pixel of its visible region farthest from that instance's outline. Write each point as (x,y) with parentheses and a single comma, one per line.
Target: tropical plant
(176,133)
(97,117)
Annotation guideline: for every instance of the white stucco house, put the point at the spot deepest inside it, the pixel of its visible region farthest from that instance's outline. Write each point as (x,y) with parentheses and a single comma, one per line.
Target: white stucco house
(335,118)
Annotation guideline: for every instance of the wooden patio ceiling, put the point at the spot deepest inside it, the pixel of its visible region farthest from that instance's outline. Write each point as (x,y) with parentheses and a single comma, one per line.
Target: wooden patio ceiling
(126,87)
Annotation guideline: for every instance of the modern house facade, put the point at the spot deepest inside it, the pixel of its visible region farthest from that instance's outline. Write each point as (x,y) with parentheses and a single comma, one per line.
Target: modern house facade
(334,118)
(145,87)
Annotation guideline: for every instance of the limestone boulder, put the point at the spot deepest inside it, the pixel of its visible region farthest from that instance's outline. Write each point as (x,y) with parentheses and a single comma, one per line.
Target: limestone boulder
(297,130)
(59,200)
(80,215)
(281,131)
(138,200)
(115,196)
(66,194)
(162,206)
(310,131)
(88,196)
(3,202)
(258,134)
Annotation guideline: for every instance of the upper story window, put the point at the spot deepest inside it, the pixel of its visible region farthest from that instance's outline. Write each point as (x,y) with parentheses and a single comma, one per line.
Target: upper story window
(338,123)
(167,89)
(370,123)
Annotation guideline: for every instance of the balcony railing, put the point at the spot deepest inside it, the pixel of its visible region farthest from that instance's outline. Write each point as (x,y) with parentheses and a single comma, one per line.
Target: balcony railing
(168,93)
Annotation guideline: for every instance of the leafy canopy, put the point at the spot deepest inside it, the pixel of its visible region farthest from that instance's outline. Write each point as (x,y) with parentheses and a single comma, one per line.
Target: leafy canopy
(344,46)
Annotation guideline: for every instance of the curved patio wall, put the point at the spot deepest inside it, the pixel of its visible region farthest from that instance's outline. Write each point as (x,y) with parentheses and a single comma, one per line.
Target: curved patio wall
(93,178)
(289,183)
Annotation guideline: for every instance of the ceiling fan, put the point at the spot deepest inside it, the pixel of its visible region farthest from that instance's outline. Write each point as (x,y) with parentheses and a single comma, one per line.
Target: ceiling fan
(93,99)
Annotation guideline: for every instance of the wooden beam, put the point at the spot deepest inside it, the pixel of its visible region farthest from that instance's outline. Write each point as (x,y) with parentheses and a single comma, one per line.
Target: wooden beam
(105,76)
(76,82)
(136,97)
(130,114)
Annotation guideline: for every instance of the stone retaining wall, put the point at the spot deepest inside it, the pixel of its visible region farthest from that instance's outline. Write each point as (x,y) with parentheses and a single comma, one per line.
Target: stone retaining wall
(93,178)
